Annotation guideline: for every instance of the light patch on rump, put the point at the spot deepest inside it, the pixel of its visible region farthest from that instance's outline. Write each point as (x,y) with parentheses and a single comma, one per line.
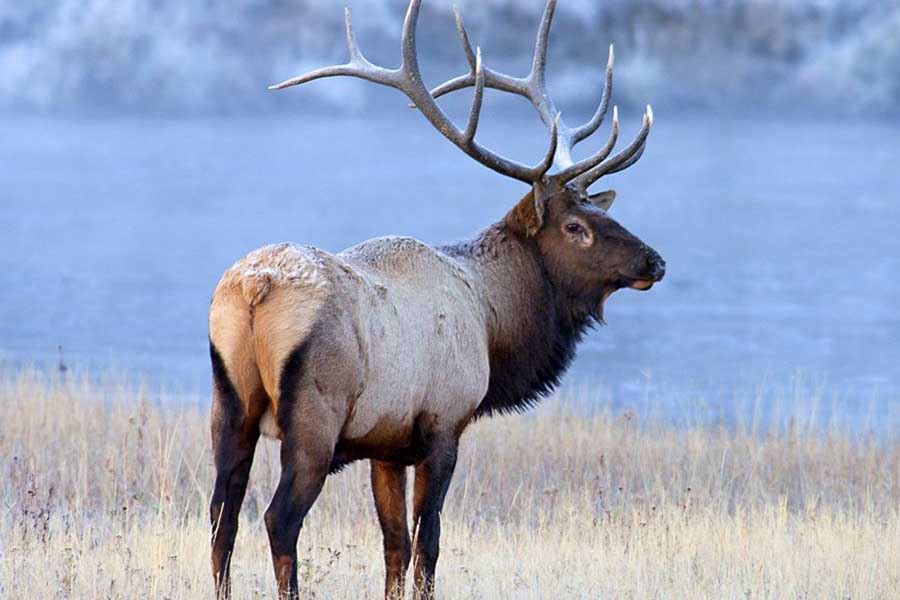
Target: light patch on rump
(274,294)
(277,265)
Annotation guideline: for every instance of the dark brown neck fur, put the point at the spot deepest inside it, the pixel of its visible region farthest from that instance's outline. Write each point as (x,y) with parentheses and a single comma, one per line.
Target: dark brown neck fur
(534,326)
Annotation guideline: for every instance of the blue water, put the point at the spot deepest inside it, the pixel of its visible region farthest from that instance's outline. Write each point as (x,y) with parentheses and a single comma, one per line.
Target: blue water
(781,238)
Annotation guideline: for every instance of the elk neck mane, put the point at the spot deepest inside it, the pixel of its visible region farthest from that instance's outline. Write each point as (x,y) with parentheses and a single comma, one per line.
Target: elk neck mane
(534,326)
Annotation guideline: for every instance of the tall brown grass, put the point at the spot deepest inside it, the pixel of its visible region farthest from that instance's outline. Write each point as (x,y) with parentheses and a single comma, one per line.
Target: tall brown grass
(104,491)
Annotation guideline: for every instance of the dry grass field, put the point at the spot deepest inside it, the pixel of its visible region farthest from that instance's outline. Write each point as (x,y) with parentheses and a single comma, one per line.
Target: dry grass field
(105,488)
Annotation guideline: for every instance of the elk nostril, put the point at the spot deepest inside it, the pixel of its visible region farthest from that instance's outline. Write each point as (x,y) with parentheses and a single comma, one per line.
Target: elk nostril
(657,265)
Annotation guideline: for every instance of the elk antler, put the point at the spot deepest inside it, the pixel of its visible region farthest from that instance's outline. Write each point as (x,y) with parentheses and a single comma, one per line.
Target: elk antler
(533,87)
(408,79)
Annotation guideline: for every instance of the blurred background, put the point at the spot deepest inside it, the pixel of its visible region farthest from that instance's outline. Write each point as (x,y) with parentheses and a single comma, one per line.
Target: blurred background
(141,155)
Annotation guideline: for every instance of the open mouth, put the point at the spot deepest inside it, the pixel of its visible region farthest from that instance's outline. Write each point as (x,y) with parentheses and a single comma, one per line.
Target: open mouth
(625,281)
(642,284)
(639,283)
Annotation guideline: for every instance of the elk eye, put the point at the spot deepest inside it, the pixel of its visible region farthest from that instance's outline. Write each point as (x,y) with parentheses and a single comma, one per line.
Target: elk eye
(574,228)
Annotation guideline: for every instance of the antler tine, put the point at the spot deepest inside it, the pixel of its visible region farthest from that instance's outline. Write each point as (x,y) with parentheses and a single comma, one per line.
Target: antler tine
(464,38)
(539,60)
(623,159)
(492,79)
(634,158)
(545,164)
(585,165)
(475,114)
(357,66)
(351,39)
(536,87)
(591,126)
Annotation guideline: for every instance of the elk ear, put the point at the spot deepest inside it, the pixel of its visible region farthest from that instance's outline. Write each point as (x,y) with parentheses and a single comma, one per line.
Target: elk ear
(603,200)
(527,217)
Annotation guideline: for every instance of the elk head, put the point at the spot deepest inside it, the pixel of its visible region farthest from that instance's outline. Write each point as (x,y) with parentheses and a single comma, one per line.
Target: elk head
(587,253)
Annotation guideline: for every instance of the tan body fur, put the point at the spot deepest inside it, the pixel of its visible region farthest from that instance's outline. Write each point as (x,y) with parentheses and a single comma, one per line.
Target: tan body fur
(409,323)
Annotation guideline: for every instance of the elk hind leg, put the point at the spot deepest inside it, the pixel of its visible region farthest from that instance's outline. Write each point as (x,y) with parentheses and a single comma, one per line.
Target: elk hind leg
(235,431)
(311,414)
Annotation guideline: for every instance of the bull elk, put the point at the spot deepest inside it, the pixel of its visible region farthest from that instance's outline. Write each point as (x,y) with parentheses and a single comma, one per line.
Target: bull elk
(388,350)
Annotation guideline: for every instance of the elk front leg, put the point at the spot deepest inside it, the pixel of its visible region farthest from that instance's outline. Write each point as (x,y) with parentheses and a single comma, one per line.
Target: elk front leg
(432,481)
(389,490)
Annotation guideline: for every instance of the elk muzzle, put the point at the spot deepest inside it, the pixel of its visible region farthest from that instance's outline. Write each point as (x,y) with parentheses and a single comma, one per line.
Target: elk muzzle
(651,268)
